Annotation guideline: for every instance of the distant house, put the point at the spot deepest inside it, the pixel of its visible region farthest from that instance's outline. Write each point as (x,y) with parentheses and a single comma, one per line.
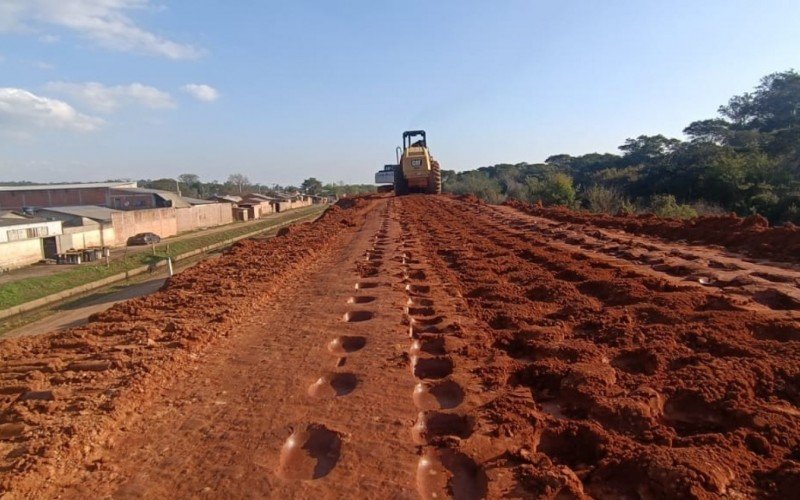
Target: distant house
(258,205)
(282,201)
(258,197)
(55,195)
(78,215)
(197,201)
(84,226)
(228,198)
(320,200)
(25,240)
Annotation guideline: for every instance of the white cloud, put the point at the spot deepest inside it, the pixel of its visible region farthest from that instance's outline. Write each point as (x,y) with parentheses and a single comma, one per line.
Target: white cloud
(107,99)
(106,22)
(201,92)
(20,109)
(42,65)
(49,38)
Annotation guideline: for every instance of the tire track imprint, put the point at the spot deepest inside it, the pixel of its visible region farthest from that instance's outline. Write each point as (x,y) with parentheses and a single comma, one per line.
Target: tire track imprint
(312,451)
(745,282)
(444,418)
(607,379)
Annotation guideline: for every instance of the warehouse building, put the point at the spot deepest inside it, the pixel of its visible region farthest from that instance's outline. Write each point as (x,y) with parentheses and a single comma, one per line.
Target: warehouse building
(135,198)
(59,195)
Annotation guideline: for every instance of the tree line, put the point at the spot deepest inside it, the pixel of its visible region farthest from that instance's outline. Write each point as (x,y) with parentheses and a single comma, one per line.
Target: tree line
(746,160)
(238,184)
(190,185)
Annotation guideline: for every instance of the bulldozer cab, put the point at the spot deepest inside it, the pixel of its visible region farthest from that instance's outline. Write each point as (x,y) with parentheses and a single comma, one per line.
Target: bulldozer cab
(409,135)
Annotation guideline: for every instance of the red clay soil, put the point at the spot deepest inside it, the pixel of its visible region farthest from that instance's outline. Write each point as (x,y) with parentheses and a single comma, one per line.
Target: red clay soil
(61,394)
(750,235)
(601,378)
(482,353)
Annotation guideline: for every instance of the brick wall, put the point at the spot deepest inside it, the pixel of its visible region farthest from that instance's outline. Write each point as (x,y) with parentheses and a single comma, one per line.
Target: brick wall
(15,200)
(161,221)
(203,216)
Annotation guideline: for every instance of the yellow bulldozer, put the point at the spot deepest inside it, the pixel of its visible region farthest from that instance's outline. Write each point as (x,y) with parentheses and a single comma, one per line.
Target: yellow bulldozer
(417,171)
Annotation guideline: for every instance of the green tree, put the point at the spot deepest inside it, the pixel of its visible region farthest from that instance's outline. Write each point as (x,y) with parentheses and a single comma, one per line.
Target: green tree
(561,160)
(647,148)
(476,183)
(311,186)
(191,185)
(341,189)
(774,105)
(716,131)
(602,199)
(665,205)
(189,179)
(554,189)
(165,184)
(239,182)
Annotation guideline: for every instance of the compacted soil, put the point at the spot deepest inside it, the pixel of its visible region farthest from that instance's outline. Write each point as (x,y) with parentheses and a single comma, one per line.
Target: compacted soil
(424,347)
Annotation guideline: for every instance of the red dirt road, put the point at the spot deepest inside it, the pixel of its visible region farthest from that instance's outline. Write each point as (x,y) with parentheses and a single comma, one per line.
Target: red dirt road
(422,347)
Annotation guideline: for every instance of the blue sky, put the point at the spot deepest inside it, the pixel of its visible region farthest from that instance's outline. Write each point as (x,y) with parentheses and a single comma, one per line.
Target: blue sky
(281,91)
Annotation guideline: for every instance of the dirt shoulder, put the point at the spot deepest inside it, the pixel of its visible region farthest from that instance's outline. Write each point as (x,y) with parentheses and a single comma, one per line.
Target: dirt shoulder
(35,282)
(752,235)
(63,394)
(76,310)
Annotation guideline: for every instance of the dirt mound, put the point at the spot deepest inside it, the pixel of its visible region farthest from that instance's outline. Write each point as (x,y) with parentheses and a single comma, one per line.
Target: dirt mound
(751,235)
(61,394)
(354,201)
(603,382)
(470,198)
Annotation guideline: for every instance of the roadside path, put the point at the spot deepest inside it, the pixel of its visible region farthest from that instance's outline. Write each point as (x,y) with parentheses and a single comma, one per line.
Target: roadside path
(67,318)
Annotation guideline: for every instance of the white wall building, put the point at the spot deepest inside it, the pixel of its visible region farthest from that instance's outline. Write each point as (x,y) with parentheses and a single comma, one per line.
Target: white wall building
(24,240)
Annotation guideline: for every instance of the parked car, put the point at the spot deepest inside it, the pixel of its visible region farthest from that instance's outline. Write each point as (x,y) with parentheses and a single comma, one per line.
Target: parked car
(144,239)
